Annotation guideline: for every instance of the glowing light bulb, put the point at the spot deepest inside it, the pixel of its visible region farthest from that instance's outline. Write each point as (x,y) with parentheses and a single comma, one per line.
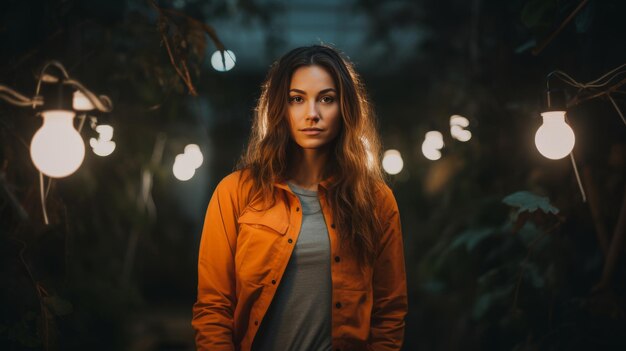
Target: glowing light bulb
(392,161)
(103,146)
(80,102)
(192,151)
(554,139)
(57,149)
(223,65)
(430,153)
(183,169)
(434,139)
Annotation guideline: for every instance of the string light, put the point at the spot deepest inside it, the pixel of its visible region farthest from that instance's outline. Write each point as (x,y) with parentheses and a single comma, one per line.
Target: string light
(433,143)
(223,62)
(185,164)
(554,139)
(103,146)
(458,125)
(57,150)
(392,161)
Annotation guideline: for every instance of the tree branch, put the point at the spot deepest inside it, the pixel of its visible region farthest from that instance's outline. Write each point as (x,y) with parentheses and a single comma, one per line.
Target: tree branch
(539,48)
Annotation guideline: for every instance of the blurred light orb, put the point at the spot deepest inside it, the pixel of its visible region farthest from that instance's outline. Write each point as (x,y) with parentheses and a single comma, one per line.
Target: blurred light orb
(457,128)
(457,120)
(433,142)
(392,161)
(103,146)
(192,151)
(223,65)
(460,134)
(434,139)
(555,139)
(57,149)
(183,169)
(430,153)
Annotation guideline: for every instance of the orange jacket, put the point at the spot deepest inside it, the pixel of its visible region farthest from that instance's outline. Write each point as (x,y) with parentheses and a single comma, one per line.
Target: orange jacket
(243,254)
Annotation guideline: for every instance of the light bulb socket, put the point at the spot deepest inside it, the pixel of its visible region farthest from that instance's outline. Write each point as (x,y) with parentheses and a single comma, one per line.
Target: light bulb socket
(57,96)
(555,100)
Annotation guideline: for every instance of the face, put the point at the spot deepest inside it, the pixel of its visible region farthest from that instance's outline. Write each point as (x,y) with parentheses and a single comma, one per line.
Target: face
(313,110)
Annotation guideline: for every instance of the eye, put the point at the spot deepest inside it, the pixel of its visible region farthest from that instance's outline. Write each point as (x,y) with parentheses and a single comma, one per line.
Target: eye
(327,99)
(296,99)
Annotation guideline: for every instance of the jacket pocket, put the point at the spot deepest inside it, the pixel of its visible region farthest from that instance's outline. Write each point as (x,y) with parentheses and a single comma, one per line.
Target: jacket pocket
(274,218)
(260,242)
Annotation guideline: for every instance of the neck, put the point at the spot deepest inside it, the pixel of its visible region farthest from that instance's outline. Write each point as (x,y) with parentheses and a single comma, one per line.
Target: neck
(308,166)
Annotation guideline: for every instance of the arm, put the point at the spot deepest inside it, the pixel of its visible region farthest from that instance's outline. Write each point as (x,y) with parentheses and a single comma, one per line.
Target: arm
(389,282)
(213,311)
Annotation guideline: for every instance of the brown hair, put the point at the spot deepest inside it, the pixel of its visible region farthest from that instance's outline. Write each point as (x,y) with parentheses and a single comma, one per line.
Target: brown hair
(354,164)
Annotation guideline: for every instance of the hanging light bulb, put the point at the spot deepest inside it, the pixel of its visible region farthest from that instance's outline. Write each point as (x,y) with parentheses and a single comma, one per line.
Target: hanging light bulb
(392,161)
(57,149)
(554,139)
(225,64)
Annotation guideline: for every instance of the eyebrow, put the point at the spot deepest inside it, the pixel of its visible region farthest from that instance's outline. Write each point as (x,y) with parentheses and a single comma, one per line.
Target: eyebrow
(324,91)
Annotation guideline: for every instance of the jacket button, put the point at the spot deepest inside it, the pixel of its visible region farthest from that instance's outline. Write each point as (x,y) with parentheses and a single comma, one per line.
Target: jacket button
(273,281)
(256,322)
(297,209)
(290,241)
(337,259)
(332,225)
(338,305)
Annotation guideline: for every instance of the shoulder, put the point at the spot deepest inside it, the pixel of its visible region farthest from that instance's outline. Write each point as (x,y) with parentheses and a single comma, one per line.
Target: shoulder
(234,180)
(235,186)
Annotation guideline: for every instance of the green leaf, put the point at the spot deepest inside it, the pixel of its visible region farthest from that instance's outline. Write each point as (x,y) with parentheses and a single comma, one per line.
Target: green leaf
(527,201)
(472,237)
(58,306)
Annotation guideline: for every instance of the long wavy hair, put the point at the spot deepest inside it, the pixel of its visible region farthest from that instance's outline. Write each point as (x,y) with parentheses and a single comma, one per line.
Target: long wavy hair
(354,163)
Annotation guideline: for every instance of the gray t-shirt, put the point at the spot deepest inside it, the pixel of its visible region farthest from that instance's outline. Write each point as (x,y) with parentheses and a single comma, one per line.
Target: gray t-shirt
(299,317)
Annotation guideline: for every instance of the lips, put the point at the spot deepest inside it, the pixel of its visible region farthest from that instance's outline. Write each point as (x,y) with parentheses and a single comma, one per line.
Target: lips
(311,131)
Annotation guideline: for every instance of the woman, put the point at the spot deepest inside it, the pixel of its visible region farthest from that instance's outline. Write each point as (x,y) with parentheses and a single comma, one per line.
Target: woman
(302,247)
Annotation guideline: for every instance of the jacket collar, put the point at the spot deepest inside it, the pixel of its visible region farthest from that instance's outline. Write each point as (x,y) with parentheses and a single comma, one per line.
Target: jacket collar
(324,184)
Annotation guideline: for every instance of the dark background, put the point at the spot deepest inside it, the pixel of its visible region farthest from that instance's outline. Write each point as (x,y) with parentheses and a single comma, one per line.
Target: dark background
(116,267)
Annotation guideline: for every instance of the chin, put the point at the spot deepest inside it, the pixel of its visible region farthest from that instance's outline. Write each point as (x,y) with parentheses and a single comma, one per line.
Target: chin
(312,144)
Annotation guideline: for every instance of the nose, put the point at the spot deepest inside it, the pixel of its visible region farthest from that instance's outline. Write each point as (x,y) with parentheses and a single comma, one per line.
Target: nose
(313,113)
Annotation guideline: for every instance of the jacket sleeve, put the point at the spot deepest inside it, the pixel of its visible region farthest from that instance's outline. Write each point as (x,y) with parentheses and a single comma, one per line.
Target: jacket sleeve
(213,311)
(389,282)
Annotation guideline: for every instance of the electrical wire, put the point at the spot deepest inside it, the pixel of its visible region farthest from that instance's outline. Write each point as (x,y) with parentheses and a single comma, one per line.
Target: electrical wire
(617,108)
(15,98)
(43,199)
(580,183)
(102,102)
(596,83)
